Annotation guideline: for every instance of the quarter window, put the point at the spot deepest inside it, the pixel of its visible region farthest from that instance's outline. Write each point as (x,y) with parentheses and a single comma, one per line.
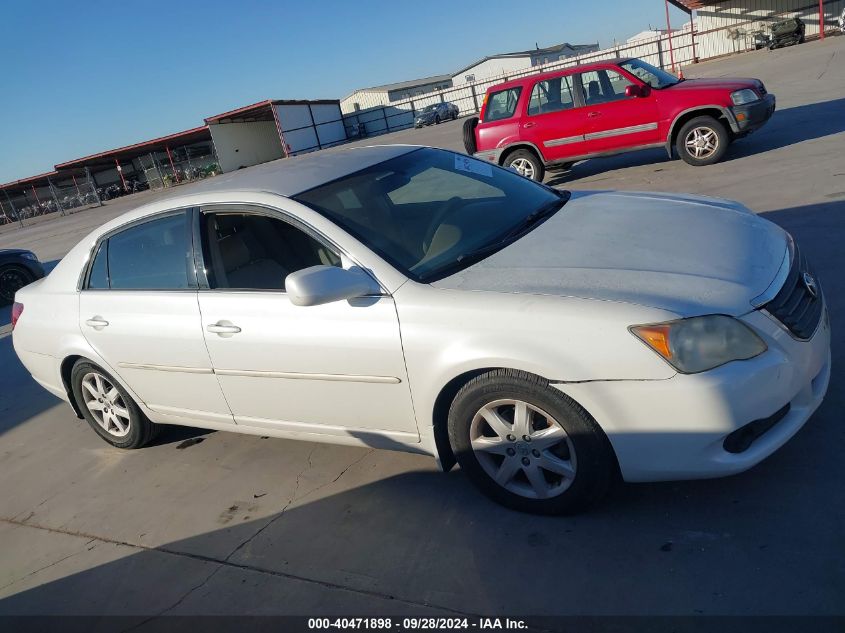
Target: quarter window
(99,277)
(603,86)
(502,104)
(551,95)
(155,255)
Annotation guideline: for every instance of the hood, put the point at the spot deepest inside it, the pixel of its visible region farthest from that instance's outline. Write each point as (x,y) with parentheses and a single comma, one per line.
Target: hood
(689,255)
(727,83)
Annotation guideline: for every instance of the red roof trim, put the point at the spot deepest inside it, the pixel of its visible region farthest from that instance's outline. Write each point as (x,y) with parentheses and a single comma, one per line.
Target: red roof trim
(25,181)
(127,148)
(240,110)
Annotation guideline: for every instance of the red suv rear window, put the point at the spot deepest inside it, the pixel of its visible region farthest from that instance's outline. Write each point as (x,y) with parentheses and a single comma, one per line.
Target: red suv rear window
(502,104)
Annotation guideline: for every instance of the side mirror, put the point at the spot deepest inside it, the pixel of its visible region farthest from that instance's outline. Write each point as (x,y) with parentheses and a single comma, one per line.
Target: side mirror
(325,284)
(634,91)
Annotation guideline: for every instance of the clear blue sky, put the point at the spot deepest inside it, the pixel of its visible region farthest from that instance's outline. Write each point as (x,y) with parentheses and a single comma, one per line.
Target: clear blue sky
(82,77)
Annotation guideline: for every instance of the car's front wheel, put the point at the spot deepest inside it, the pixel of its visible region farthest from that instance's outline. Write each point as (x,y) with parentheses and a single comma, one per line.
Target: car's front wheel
(528,446)
(525,163)
(702,141)
(108,408)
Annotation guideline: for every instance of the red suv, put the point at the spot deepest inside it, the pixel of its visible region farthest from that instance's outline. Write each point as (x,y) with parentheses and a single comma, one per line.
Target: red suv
(551,120)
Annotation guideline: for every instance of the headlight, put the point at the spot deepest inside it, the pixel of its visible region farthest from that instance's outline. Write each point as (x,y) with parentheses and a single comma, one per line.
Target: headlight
(701,343)
(746,95)
(29,255)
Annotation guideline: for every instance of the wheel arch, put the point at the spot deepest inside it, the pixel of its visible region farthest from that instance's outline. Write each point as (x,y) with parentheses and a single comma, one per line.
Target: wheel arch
(444,399)
(65,370)
(720,113)
(510,149)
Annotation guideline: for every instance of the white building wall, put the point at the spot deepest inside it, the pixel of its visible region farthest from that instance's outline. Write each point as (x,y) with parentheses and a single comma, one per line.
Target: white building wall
(727,27)
(365,99)
(498,67)
(245,144)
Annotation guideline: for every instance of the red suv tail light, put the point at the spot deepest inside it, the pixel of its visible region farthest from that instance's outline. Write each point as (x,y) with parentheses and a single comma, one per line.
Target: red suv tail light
(17,311)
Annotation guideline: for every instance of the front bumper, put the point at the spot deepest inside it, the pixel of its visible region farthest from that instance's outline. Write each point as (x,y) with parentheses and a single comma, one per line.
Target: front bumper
(676,429)
(752,116)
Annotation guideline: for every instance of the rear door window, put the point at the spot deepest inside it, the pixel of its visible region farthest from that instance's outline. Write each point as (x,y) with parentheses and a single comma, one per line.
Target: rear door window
(502,104)
(552,95)
(155,255)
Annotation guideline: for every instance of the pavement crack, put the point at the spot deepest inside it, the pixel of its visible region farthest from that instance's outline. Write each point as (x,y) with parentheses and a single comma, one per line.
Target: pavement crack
(341,474)
(252,568)
(827,65)
(40,569)
(281,513)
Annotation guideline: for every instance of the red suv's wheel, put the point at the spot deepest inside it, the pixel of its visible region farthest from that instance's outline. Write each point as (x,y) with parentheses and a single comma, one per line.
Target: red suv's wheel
(702,141)
(525,163)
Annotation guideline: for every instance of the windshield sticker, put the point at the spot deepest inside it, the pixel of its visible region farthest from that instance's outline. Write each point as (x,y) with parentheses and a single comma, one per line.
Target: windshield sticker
(473,166)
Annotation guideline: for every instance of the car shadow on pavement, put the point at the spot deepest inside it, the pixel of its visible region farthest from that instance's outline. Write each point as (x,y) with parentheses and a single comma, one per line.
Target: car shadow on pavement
(787,127)
(759,543)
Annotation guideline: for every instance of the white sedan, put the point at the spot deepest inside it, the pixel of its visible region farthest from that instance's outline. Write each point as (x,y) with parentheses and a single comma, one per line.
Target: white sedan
(416,299)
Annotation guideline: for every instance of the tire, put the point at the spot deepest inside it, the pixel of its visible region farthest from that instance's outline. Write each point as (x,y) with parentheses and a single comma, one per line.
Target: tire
(712,132)
(526,163)
(127,426)
(436,119)
(469,135)
(454,116)
(12,279)
(579,448)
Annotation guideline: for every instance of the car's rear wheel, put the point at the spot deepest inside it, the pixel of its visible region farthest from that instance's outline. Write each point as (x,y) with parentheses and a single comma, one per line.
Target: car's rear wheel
(526,163)
(108,408)
(12,279)
(702,141)
(469,135)
(528,446)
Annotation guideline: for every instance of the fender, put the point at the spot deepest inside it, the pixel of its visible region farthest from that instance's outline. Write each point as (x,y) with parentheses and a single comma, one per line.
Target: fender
(726,112)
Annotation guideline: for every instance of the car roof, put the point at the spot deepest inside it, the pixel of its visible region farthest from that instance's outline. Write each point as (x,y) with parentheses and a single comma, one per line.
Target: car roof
(580,68)
(291,176)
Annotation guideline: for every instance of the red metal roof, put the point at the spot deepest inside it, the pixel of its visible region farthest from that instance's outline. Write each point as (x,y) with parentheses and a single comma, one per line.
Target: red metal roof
(130,151)
(27,181)
(690,5)
(262,111)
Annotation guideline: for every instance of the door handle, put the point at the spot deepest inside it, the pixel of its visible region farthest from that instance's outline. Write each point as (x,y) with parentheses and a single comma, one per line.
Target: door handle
(593,115)
(529,124)
(224,329)
(96,322)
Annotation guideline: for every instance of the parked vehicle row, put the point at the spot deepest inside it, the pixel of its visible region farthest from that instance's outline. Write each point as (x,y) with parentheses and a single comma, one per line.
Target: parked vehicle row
(552,120)
(422,300)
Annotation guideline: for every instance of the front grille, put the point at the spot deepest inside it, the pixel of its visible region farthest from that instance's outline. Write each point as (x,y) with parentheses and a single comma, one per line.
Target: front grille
(795,305)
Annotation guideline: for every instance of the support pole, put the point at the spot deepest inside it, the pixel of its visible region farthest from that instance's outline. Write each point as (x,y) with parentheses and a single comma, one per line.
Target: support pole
(821,19)
(120,173)
(172,166)
(35,193)
(75,184)
(14,210)
(669,29)
(93,184)
(55,197)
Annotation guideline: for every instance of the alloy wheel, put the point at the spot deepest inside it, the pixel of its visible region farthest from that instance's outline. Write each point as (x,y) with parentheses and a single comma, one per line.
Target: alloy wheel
(106,404)
(523,167)
(701,142)
(523,449)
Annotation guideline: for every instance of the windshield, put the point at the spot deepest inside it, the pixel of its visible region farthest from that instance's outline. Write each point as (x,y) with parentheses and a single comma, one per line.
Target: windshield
(432,212)
(654,77)
(430,108)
